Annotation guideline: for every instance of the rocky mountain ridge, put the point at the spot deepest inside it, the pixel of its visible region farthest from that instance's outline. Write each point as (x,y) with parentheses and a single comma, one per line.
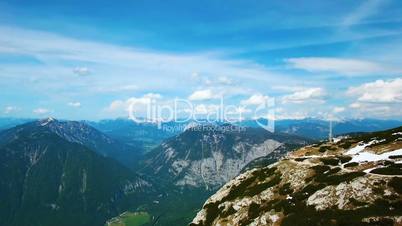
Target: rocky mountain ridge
(352,181)
(208,156)
(77,132)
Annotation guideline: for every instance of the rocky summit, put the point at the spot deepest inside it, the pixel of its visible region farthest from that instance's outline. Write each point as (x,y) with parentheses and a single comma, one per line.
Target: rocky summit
(352,180)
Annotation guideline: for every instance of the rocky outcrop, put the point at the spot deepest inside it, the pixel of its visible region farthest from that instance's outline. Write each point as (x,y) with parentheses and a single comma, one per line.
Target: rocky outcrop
(355,181)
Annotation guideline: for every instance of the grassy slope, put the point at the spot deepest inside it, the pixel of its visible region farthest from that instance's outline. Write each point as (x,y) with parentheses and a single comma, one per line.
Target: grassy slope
(131,219)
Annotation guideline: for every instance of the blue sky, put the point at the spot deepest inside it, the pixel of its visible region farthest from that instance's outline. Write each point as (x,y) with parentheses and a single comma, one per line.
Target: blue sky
(90,59)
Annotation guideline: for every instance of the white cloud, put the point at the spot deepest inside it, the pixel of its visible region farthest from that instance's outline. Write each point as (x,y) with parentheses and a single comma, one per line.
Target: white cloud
(206,94)
(10,109)
(81,71)
(338,109)
(309,94)
(137,103)
(337,65)
(379,91)
(41,111)
(256,99)
(377,99)
(355,105)
(74,104)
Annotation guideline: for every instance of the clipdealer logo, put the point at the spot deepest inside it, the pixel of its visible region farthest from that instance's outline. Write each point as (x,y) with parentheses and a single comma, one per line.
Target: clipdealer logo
(184,112)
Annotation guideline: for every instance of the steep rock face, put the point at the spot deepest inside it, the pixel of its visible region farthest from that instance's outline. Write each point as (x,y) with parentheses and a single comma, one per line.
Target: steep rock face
(216,170)
(353,181)
(208,156)
(47,180)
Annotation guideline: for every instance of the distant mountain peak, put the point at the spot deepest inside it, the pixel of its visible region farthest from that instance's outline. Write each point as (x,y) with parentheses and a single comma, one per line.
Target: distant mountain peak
(46,121)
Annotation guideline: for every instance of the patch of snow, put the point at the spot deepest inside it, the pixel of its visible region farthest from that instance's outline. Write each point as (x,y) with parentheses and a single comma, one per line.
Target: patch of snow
(359,148)
(397,133)
(371,157)
(337,139)
(369,169)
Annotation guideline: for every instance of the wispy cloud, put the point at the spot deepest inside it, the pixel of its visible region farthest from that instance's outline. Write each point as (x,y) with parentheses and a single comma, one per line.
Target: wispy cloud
(338,65)
(206,94)
(256,99)
(364,110)
(81,71)
(310,94)
(115,59)
(116,88)
(10,109)
(365,10)
(41,111)
(117,72)
(338,109)
(74,104)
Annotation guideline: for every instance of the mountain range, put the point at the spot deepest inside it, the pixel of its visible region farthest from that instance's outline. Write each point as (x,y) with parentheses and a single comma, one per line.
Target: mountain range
(149,135)
(59,172)
(51,176)
(318,129)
